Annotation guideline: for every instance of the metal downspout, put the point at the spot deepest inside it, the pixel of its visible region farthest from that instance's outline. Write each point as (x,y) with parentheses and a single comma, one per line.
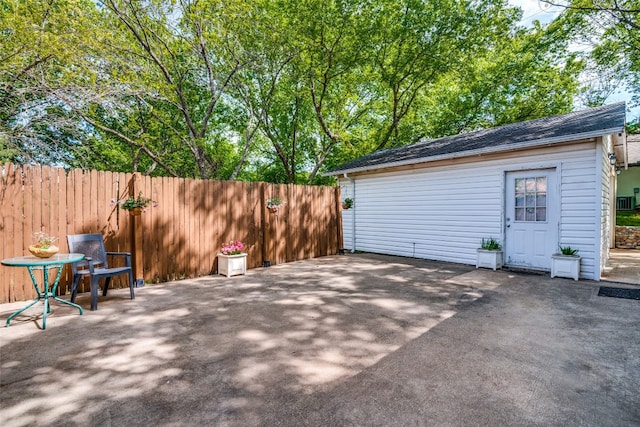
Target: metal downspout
(353,214)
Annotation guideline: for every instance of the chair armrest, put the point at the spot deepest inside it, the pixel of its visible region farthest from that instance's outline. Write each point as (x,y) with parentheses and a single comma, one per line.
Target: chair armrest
(126,255)
(89,261)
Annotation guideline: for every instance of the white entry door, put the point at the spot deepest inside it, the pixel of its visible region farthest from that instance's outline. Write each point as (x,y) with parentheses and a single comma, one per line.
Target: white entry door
(531,218)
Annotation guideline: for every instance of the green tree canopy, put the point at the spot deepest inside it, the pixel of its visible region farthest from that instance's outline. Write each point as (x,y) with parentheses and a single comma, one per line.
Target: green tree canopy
(276,91)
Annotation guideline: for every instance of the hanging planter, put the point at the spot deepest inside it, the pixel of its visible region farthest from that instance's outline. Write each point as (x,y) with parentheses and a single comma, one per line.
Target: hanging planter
(347,203)
(274,204)
(135,205)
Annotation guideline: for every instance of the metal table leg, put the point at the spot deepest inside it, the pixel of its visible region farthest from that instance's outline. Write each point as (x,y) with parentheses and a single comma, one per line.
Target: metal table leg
(45,294)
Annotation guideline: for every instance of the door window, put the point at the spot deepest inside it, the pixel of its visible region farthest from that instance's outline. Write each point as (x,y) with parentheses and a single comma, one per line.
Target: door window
(531,199)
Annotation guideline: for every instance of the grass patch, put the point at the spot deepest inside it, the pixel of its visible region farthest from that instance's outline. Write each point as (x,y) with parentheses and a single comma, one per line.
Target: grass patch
(628,218)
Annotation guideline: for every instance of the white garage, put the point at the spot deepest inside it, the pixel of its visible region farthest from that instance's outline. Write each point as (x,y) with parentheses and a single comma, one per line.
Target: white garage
(533,186)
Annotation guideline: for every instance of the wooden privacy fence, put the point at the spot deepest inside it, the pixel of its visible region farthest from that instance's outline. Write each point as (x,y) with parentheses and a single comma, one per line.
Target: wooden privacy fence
(178,238)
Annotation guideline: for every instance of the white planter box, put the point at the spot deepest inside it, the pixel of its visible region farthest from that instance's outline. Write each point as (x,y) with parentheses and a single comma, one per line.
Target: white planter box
(489,259)
(232,265)
(565,266)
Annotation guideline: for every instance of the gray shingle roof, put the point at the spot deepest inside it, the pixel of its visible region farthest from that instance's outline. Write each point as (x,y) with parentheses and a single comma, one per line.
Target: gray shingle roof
(549,130)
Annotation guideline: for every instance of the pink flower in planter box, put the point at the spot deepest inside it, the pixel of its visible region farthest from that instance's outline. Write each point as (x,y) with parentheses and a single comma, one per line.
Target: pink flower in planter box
(232,248)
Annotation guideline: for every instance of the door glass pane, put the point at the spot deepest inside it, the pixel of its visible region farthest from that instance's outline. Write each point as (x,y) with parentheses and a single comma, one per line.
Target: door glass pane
(541,184)
(531,199)
(531,185)
(531,214)
(541,200)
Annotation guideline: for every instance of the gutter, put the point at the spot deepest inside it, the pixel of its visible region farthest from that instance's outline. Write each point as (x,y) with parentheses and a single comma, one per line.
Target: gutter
(353,214)
(481,151)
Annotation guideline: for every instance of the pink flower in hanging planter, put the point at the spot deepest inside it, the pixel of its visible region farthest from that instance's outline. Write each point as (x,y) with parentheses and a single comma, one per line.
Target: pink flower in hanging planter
(274,204)
(232,248)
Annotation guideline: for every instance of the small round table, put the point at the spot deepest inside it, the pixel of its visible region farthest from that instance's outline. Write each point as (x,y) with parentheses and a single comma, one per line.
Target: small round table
(34,263)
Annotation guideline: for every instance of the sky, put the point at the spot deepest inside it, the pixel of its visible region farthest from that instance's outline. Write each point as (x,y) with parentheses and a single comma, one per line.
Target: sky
(537,10)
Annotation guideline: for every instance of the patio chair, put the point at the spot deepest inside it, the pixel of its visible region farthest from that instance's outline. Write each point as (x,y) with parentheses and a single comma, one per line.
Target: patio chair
(95,265)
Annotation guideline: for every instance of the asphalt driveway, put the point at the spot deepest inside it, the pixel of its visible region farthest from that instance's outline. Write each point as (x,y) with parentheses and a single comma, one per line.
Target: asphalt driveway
(364,340)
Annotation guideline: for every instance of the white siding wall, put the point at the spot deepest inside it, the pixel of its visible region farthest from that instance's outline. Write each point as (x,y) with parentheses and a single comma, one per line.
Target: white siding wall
(443,212)
(347,226)
(579,227)
(605,201)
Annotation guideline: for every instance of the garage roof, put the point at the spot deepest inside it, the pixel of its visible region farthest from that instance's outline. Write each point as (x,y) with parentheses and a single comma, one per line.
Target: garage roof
(590,123)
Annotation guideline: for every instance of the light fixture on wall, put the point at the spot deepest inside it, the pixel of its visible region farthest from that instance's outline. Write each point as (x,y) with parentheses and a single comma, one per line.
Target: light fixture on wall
(612,158)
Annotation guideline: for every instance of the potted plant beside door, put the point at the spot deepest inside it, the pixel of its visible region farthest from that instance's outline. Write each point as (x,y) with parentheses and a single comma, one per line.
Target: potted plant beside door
(566,263)
(232,261)
(489,254)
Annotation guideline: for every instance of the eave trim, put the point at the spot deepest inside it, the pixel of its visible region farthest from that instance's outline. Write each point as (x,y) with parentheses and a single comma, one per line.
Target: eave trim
(481,151)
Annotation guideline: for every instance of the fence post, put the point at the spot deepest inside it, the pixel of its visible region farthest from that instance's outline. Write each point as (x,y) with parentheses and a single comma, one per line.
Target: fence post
(136,235)
(266,260)
(338,206)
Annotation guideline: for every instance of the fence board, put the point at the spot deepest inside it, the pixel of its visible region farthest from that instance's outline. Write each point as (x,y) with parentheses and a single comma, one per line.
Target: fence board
(148,240)
(61,214)
(153,220)
(10,221)
(173,221)
(216,220)
(166,205)
(24,216)
(45,195)
(83,202)
(181,236)
(66,217)
(255,243)
(209,226)
(31,214)
(16,238)
(51,209)
(201,215)
(5,208)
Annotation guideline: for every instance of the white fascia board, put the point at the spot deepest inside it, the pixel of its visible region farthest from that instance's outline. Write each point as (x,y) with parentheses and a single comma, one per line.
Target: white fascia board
(486,150)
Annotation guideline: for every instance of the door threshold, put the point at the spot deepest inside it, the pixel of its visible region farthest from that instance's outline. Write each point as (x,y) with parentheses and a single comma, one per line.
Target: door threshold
(527,270)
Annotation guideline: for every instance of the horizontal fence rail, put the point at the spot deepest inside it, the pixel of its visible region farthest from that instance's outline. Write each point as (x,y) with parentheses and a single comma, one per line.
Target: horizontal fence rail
(178,238)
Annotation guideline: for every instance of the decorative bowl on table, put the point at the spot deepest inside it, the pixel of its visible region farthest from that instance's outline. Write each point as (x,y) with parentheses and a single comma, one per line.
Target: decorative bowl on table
(43,252)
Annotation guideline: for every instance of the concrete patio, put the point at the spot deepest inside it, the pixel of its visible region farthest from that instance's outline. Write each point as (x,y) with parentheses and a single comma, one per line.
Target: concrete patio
(336,341)
(623,266)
